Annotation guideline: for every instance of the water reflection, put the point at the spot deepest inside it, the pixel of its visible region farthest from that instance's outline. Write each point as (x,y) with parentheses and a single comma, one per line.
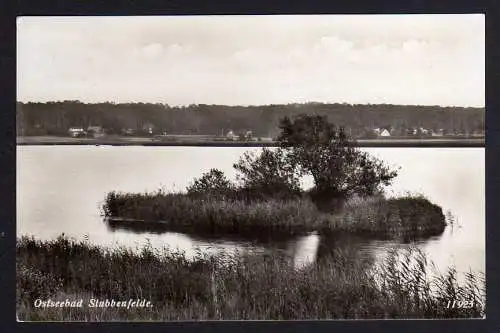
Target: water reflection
(250,236)
(300,250)
(304,250)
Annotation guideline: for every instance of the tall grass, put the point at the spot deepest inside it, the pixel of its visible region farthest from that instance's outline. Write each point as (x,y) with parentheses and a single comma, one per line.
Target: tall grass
(210,214)
(245,287)
(408,215)
(413,288)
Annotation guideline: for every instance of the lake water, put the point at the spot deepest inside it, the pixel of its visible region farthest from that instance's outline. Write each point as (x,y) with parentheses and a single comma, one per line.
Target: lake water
(60,190)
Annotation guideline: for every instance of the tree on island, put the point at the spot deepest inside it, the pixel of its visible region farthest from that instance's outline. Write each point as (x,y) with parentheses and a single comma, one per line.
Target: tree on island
(270,173)
(327,153)
(308,146)
(213,183)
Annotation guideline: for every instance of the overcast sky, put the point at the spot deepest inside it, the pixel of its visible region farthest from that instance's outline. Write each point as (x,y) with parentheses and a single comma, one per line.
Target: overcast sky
(254,60)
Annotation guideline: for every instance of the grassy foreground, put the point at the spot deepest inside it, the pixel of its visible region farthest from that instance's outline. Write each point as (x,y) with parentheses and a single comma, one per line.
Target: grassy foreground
(250,287)
(410,215)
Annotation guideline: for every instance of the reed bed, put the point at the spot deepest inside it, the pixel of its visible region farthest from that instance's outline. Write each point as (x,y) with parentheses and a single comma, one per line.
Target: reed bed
(407,216)
(404,216)
(213,214)
(249,287)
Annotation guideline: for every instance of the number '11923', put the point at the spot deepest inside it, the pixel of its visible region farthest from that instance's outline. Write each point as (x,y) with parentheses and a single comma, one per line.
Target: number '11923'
(460,304)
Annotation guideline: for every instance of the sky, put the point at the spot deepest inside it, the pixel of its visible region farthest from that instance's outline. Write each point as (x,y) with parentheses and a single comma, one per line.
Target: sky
(254,60)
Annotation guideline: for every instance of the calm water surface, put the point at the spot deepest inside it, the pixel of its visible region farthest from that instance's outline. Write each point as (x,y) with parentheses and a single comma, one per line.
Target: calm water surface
(60,190)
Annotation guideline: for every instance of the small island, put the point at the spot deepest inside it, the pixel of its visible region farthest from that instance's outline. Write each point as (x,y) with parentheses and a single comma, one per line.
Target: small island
(267,198)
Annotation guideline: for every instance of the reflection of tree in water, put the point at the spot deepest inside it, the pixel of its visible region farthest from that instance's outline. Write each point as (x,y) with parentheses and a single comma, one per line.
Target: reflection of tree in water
(316,249)
(343,246)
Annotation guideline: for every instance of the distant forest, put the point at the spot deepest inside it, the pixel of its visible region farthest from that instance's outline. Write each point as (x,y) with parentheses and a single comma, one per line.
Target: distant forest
(55,118)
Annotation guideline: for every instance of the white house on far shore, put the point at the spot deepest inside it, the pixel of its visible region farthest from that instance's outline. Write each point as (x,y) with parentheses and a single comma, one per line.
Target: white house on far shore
(385,133)
(76,132)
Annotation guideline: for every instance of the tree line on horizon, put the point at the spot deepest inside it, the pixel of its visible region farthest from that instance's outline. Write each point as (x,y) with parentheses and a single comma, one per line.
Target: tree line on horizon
(55,118)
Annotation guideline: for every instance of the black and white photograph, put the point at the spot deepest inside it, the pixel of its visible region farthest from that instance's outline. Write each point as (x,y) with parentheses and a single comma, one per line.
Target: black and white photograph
(250,167)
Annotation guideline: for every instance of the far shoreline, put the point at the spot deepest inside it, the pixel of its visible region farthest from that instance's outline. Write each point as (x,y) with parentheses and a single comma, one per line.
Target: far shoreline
(137,141)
